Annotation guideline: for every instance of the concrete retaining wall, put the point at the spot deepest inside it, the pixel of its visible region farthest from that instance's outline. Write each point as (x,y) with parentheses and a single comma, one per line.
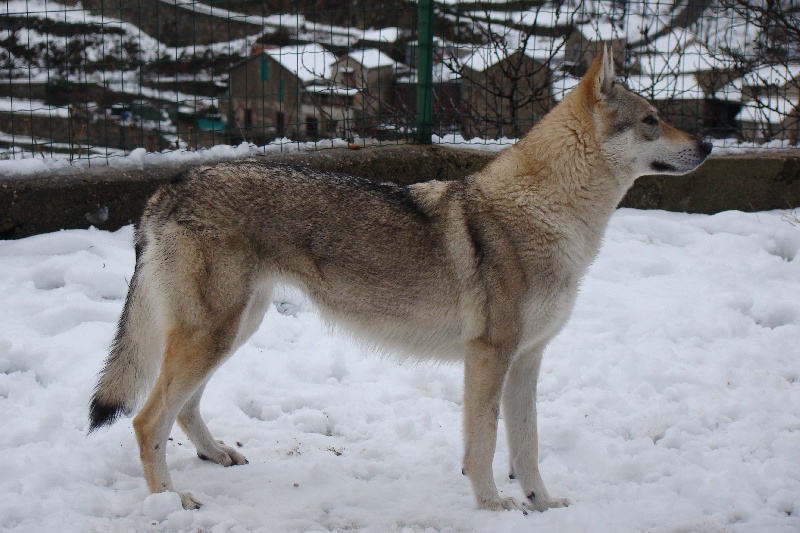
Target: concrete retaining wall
(110,198)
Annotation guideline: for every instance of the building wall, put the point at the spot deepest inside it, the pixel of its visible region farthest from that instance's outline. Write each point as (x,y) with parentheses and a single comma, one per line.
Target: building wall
(373,104)
(579,52)
(260,92)
(266,101)
(490,114)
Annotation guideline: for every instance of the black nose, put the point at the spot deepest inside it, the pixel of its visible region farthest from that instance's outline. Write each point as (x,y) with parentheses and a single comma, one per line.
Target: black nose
(706,147)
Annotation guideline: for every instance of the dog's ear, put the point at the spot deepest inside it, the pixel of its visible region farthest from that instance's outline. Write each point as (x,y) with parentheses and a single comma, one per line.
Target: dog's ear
(600,78)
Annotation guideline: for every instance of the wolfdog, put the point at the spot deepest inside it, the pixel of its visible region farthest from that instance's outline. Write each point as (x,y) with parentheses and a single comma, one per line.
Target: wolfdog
(483,270)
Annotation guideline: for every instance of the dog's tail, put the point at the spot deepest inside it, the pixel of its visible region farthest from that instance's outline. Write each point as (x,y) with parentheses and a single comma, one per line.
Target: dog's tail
(134,358)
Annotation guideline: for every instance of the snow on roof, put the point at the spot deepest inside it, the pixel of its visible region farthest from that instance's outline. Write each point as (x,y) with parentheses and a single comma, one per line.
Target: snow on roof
(484,57)
(442,73)
(694,58)
(308,61)
(437,41)
(606,20)
(666,87)
(729,29)
(772,75)
(673,42)
(536,47)
(372,58)
(773,110)
(563,86)
(382,35)
(321,88)
(543,16)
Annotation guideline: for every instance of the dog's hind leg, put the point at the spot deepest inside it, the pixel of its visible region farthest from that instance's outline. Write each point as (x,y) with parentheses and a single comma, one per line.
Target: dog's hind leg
(208,448)
(189,418)
(484,370)
(519,410)
(190,356)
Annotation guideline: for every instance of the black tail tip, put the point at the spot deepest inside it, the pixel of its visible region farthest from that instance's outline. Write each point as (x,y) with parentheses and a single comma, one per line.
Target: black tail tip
(102,414)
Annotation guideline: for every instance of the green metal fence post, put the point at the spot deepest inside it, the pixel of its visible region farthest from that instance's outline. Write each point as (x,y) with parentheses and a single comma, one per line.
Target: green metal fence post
(425,71)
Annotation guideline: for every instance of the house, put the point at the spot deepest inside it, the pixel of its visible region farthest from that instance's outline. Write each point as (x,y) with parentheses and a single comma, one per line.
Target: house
(764,119)
(782,79)
(442,51)
(579,51)
(371,74)
(683,102)
(286,92)
(771,98)
(506,88)
(448,114)
(713,71)
(688,82)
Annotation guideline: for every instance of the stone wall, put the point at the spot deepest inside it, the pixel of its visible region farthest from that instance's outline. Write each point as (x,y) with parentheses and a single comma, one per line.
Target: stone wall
(109,198)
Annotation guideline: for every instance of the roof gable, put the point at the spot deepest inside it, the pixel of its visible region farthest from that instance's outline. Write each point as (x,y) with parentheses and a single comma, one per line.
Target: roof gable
(370,58)
(308,61)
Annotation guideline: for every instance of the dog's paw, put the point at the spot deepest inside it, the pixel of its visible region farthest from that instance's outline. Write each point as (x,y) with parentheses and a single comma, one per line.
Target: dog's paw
(541,504)
(223,455)
(502,504)
(189,502)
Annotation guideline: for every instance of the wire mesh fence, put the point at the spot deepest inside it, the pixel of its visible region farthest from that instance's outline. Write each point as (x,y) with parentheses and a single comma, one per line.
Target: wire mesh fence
(98,78)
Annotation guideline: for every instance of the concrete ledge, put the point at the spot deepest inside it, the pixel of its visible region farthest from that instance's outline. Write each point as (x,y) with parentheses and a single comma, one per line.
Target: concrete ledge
(110,198)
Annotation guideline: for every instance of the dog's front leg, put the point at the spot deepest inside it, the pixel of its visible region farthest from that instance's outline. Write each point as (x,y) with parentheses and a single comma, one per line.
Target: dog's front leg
(484,370)
(519,410)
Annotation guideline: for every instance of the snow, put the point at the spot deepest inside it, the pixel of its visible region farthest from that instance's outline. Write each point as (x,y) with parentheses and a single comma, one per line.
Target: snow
(774,75)
(666,87)
(543,16)
(563,85)
(544,49)
(308,62)
(197,7)
(32,107)
(130,85)
(383,35)
(370,58)
(767,110)
(670,402)
(57,11)
(693,58)
(339,36)
(140,159)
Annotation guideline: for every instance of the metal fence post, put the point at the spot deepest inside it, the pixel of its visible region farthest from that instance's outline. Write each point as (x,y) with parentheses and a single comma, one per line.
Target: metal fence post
(424,71)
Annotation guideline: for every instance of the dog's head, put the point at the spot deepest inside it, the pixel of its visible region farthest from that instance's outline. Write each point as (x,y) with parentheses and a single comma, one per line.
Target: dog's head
(634,140)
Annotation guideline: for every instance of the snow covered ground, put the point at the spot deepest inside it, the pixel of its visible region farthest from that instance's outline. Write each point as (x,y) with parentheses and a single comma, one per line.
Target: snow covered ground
(670,402)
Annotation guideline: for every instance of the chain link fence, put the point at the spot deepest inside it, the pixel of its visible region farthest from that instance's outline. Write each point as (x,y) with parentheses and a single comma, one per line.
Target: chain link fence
(99,78)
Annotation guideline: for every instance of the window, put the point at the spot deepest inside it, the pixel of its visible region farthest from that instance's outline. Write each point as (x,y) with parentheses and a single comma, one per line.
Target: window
(248,118)
(280,124)
(264,69)
(312,127)
(280,90)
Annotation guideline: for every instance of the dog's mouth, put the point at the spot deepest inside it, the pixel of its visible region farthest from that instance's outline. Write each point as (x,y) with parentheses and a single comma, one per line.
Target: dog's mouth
(658,166)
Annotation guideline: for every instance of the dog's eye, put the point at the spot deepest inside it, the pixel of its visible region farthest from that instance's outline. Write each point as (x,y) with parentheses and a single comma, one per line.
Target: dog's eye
(650,120)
